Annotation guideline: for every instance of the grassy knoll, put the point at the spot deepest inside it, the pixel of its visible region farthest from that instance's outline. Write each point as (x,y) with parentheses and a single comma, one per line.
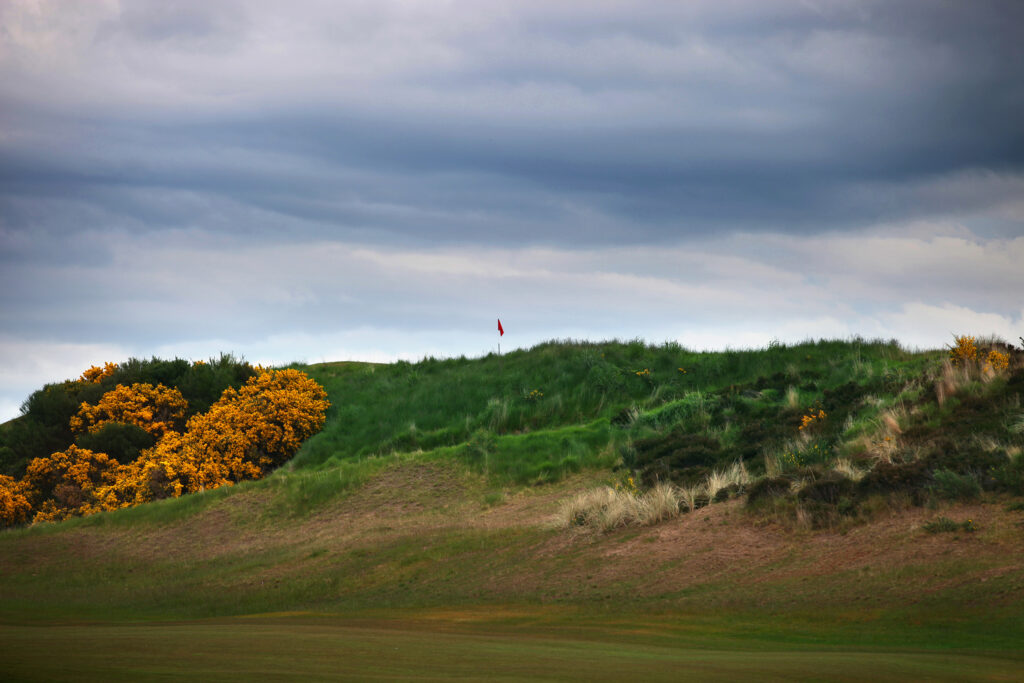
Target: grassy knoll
(417,536)
(586,403)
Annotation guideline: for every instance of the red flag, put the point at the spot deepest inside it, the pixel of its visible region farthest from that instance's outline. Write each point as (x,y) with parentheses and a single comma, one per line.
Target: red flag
(501,331)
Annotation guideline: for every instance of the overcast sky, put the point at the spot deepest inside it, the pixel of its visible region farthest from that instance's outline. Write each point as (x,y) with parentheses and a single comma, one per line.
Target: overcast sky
(382,179)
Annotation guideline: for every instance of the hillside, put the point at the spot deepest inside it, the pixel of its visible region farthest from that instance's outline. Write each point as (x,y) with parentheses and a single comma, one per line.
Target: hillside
(423,531)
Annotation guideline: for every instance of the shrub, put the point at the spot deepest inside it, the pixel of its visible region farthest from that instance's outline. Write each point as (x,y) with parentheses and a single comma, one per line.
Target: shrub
(662,457)
(15,506)
(768,488)
(1009,475)
(909,478)
(244,435)
(812,419)
(952,486)
(156,409)
(828,489)
(966,459)
(997,361)
(70,483)
(96,374)
(946,525)
(123,442)
(248,431)
(964,352)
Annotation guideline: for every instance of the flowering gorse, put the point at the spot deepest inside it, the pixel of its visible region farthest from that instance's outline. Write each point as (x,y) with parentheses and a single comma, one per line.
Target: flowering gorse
(965,351)
(627,485)
(156,409)
(811,418)
(997,361)
(96,373)
(244,435)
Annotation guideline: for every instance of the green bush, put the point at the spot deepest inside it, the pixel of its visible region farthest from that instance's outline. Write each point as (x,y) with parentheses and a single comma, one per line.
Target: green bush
(1009,475)
(910,478)
(768,488)
(828,489)
(123,442)
(953,486)
(946,525)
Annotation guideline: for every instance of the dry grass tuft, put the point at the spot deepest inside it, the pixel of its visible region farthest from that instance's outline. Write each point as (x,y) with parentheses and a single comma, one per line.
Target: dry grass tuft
(849,470)
(658,504)
(716,481)
(892,423)
(689,495)
(792,398)
(605,508)
(952,379)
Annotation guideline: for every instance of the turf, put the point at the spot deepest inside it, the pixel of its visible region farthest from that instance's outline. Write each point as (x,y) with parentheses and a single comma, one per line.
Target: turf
(439,648)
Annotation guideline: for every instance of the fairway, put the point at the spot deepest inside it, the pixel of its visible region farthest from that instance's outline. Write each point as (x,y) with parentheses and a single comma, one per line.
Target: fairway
(324,648)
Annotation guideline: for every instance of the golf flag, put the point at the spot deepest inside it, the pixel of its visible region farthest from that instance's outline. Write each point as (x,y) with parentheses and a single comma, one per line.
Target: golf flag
(501,330)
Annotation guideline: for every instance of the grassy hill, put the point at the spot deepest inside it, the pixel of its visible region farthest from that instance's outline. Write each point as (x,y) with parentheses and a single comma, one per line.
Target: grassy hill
(423,533)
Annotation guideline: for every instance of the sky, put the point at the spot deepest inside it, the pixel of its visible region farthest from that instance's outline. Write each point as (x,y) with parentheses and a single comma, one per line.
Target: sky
(382,179)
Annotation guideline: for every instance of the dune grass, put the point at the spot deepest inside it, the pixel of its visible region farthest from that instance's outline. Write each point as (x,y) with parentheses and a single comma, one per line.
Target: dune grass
(441,403)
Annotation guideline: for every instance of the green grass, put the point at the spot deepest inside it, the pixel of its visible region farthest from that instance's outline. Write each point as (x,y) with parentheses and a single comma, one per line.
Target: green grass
(543,645)
(444,403)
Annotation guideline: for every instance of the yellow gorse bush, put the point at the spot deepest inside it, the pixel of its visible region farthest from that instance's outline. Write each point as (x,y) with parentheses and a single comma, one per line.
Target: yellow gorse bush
(628,485)
(15,506)
(811,418)
(965,351)
(156,409)
(997,361)
(96,373)
(66,483)
(244,435)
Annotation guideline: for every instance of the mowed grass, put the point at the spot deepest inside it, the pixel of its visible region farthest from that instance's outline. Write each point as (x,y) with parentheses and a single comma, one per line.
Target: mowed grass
(541,646)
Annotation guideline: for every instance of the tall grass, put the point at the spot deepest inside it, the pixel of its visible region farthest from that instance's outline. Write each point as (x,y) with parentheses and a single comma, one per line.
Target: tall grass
(434,403)
(606,508)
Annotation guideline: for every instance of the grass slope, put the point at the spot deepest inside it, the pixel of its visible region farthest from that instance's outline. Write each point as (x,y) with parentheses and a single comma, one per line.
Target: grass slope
(414,537)
(477,407)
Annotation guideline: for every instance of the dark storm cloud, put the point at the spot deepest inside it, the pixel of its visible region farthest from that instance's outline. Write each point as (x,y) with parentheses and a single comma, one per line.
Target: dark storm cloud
(599,123)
